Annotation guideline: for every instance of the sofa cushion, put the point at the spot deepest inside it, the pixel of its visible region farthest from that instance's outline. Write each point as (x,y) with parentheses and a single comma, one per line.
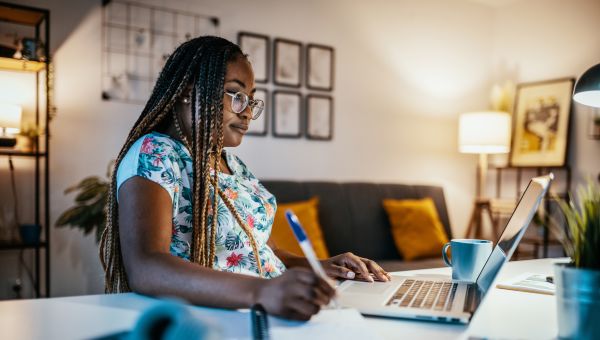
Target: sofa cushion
(416,227)
(308,214)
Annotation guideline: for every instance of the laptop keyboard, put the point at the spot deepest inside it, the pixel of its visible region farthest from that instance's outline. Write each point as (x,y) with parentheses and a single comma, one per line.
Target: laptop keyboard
(425,294)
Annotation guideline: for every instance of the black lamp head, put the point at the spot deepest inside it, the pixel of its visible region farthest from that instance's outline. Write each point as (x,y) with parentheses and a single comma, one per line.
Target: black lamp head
(587,88)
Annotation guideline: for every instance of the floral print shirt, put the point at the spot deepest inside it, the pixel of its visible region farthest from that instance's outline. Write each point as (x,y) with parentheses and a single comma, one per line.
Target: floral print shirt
(167,162)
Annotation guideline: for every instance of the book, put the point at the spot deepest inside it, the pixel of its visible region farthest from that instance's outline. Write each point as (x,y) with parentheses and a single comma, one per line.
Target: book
(529,282)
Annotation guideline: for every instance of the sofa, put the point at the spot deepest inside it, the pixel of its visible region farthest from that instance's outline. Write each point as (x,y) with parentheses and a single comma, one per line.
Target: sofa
(353,219)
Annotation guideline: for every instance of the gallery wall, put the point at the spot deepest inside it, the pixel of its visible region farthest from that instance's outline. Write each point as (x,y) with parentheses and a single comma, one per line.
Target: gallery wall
(404,71)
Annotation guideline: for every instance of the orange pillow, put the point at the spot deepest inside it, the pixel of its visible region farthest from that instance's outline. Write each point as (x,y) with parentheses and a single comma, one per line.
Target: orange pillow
(416,227)
(308,214)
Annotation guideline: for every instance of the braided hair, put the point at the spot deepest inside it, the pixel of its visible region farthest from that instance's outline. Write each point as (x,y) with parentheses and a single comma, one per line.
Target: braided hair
(201,62)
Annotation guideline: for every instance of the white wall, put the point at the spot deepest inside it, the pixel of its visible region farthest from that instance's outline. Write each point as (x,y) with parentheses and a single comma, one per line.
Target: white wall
(404,70)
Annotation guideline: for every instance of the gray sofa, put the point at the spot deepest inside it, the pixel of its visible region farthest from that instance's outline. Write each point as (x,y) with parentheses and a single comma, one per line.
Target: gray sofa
(353,219)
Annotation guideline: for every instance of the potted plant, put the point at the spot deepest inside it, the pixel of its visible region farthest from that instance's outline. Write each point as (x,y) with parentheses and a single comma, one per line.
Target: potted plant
(578,282)
(27,137)
(88,213)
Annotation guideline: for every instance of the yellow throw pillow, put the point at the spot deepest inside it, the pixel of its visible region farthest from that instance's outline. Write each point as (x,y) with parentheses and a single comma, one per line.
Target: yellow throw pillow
(416,227)
(308,214)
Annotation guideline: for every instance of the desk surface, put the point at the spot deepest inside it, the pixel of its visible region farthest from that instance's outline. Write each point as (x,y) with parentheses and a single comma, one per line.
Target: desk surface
(503,314)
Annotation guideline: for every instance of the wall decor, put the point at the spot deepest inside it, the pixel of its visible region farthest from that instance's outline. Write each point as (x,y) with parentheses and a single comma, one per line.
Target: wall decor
(256,46)
(541,123)
(137,40)
(287,66)
(319,117)
(259,126)
(319,67)
(287,114)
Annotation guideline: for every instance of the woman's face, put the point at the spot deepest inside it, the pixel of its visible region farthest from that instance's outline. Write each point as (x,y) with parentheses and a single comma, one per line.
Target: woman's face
(239,77)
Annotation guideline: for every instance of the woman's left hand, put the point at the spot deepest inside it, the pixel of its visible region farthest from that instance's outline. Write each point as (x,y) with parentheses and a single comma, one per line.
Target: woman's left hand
(350,266)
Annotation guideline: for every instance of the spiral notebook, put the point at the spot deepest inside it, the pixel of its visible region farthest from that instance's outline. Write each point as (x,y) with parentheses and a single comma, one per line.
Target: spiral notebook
(529,282)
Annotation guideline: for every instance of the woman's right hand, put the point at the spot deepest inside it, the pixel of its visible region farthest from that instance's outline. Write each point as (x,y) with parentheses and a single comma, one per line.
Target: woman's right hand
(297,294)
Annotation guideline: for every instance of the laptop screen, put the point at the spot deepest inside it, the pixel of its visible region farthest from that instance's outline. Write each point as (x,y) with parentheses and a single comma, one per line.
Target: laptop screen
(514,230)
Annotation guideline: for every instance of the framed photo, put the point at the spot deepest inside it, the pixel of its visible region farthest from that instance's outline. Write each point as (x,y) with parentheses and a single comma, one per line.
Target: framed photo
(259,127)
(256,46)
(541,123)
(287,114)
(287,67)
(319,117)
(319,67)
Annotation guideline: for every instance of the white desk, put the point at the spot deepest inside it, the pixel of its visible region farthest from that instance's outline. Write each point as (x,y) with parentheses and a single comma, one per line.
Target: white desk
(504,314)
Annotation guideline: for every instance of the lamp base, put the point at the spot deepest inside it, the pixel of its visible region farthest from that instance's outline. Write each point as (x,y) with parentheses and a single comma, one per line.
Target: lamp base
(8,142)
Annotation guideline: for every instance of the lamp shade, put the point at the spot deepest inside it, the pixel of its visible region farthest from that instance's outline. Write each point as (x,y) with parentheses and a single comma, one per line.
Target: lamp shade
(484,132)
(10,117)
(587,88)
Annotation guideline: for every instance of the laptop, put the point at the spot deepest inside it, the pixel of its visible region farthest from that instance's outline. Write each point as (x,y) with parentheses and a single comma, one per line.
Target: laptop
(437,299)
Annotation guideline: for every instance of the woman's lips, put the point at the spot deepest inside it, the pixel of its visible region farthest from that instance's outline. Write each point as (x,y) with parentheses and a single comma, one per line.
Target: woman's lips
(240,128)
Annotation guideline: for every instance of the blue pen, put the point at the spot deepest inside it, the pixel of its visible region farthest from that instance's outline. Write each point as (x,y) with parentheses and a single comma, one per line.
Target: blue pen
(307,249)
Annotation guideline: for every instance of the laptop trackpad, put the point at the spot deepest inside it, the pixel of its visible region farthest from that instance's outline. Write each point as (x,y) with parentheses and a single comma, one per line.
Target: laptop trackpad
(375,288)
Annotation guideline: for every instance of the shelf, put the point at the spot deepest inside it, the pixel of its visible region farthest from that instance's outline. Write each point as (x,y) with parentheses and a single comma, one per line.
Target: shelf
(18,245)
(21,14)
(508,167)
(21,65)
(19,153)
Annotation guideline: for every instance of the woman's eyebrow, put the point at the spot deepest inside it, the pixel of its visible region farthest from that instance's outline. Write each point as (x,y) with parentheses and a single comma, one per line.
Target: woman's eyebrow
(239,82)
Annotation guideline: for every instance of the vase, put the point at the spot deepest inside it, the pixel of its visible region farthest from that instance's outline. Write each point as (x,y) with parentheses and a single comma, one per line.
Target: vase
(577,302)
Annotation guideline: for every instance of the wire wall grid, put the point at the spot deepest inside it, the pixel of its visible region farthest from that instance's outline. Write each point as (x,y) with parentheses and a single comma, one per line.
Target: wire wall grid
(137,40)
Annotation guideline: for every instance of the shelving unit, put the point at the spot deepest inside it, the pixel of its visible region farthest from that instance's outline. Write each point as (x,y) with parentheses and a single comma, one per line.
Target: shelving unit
(563,177)
(39,21)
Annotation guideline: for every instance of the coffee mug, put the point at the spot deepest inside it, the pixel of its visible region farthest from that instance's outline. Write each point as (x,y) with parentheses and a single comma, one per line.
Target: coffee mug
(468,257)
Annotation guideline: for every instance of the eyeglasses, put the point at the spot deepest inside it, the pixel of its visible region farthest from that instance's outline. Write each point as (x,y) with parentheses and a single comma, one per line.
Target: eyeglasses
(240,101)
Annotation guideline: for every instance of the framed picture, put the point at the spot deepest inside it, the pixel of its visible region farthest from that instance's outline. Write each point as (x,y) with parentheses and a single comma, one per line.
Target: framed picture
(319,117)
(287,114)
(287,67)
(259,127)
(319,67)
(256,46)
(541,123)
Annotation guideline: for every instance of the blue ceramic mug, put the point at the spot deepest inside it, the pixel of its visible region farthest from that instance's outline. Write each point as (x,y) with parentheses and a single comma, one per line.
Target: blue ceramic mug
(468,257)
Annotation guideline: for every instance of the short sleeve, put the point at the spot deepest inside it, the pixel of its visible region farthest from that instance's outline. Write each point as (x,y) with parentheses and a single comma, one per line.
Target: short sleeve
(150,158)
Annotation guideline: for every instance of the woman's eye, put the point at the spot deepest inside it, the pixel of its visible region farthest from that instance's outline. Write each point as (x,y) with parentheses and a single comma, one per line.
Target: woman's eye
(231,91)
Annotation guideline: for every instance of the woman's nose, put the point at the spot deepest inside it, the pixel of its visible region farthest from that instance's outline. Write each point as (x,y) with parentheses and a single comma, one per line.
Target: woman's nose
(246,113)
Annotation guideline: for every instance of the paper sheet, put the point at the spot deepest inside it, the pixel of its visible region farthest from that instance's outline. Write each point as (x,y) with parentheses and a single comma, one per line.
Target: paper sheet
(343,323)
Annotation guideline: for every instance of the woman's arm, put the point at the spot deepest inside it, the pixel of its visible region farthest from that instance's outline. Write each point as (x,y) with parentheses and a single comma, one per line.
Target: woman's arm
(145,228)
(343,266)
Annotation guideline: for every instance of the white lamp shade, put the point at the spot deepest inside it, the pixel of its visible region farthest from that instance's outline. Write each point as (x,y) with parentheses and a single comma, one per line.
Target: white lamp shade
(10,117)
(484,132)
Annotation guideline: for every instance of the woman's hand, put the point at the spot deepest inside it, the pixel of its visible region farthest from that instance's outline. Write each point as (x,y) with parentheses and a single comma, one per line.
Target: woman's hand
(350,266)
(297,294)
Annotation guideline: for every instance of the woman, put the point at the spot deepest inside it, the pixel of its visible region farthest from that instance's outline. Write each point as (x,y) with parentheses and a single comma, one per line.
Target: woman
(170,232)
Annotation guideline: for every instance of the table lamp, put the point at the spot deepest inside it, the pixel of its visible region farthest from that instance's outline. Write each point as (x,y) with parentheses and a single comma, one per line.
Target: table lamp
(483,133)
(587,89)
(10,124)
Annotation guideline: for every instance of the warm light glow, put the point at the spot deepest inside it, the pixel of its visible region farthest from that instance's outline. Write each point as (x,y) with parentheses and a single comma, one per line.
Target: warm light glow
(484,132)
(10,118)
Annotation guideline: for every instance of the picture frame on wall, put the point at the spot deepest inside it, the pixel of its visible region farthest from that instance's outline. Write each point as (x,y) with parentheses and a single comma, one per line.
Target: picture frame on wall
(259,126)
(319,67)
(287,114)
(541,123)
(256,46)
(319,117)
(287,65)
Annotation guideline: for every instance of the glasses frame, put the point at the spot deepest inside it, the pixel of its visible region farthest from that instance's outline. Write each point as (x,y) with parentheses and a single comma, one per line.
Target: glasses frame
(247,102)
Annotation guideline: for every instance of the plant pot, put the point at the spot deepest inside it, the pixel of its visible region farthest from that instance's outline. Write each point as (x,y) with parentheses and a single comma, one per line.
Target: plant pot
(577,302)
(30,233)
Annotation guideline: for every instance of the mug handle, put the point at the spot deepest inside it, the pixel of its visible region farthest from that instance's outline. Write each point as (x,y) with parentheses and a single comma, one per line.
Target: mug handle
(445,255)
